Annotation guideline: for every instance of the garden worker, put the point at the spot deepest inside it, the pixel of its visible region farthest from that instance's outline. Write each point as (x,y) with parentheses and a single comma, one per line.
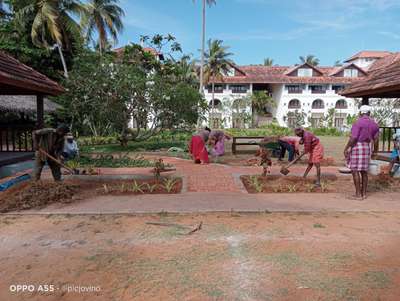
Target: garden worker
(358,150)
(71,149)
(395,156)
(290,144)
(197,146)
(217,141)
(52,142)
(315,151)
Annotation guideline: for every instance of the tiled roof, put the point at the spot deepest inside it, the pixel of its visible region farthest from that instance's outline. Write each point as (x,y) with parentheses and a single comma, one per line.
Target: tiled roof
(278,74)
(24,103)
(369,54)
(21,78)
(381,82)
(384,62)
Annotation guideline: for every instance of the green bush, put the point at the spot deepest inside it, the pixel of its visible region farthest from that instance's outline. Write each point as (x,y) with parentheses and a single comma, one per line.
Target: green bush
(135,146)
(326,131)
(113,161)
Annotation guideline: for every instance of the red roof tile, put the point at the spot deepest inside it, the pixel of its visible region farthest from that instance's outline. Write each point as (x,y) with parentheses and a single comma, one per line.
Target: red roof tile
(369,54)
(384,62)
(381,82)
(278,74)
(18,77)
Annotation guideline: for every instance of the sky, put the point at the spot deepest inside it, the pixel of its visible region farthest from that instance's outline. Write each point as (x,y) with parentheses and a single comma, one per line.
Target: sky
(279,29)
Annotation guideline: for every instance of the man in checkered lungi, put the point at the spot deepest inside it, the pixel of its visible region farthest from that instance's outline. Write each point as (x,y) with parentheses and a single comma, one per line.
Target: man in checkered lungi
(359,148)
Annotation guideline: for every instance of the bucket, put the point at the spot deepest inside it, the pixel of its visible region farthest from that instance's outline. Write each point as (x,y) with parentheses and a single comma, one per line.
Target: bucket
(374,168)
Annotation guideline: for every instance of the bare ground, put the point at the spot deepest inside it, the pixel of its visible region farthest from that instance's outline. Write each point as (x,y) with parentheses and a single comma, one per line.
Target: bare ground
(336,256)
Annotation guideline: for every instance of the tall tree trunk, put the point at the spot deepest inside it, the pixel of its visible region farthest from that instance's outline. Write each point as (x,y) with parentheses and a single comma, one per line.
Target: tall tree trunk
(212,102)
(203,42)
(62,60)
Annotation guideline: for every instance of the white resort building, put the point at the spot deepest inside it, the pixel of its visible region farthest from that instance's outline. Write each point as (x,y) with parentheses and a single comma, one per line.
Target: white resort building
(303,91)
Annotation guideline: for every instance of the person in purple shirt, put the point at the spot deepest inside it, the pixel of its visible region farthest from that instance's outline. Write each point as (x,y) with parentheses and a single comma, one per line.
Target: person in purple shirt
(359,148)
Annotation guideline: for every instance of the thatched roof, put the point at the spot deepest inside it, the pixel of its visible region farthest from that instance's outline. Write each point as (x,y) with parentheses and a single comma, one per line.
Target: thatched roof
(19,79)
(24,104)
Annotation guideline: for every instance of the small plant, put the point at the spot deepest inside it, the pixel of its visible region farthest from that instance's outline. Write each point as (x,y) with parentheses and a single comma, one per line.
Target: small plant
(291,188)
(309,187)
(73,164)
(106,189)
(151,188)
(324,186)
(318,225)
(277,189)
(169,184)
(137,187)
(159,166)
(257,185)
(123,188)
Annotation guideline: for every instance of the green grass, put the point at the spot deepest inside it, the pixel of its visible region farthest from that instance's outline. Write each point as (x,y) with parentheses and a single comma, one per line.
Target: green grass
(109,160)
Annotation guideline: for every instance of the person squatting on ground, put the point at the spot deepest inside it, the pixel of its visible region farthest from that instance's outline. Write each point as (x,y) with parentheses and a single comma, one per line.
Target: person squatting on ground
(52,142)
(197,146)
(70,150)
(216,140)
(395,155)
(315,151)
(358,150)
(290,144)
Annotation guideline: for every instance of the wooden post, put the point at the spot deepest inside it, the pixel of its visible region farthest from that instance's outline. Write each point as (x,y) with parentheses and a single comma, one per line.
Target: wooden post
(40,111)
(365,101)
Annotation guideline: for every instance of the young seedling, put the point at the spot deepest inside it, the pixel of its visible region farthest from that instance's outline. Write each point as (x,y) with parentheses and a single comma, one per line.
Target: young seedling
(291,188)
(151,188)
(137,187)
(106,189)
(324,186)
(258,186)
(169,184)
(310,187)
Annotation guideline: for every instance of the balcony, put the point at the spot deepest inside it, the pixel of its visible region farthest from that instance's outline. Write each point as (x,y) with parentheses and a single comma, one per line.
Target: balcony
(295,90)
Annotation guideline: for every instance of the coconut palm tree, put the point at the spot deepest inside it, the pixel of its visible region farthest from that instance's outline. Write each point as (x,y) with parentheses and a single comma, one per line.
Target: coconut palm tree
(53,23)
(338,63)
(268,61)
(217,64)
(203,39)
(309,59)
(105,18)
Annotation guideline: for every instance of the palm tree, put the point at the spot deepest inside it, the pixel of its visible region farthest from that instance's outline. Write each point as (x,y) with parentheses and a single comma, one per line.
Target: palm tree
(309,59)
(53,21)
(260,100)
(203,40)
(217,64)
(105,18)
(268,61)
(338,63)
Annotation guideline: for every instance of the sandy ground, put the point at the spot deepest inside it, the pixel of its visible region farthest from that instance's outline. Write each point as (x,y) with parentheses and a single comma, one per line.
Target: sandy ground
(335,256)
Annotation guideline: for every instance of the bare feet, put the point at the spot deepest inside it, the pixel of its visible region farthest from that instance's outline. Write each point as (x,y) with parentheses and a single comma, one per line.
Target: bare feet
(355,197)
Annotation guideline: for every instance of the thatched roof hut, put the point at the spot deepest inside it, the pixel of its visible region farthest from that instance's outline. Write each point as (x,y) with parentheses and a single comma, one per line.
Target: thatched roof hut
(25,104)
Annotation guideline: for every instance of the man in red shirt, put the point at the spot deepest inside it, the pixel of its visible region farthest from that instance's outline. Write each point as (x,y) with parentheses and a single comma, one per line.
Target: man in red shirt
(315,151)
(358,150)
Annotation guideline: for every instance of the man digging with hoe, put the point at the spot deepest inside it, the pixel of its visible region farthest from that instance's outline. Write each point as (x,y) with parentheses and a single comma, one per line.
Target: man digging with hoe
(358,150)
(49,142)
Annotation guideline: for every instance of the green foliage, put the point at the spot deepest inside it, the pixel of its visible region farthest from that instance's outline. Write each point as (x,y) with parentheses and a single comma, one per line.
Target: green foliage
(111,161)
(104,94)
(260,99)
(256,184)
(137,187)
(169,184)
(299,118)
(326,131)
(134,146)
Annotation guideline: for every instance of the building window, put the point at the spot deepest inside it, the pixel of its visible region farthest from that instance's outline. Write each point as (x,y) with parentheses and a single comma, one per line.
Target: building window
(337,88)
(318,104)
(217,88)
(350,73)
(304,72)
(341,104)
(318,89)
(239,88)
(294,104)
(294,89)
(317,120)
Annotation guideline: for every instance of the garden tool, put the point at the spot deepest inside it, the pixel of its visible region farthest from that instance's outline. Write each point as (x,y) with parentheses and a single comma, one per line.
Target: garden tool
(72,171)
(285,169)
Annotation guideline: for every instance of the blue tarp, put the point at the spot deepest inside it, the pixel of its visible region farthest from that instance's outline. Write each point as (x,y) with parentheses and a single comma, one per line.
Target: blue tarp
(9,183)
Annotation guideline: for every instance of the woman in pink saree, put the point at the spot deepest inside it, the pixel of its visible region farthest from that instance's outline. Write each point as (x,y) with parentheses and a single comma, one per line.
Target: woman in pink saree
(217,142)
